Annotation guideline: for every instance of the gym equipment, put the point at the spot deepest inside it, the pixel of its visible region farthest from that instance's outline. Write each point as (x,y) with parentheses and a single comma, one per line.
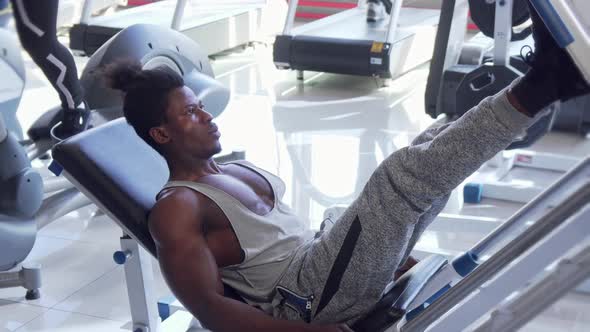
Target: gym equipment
(568,22)
(567,274)
(12,85)
(483,14)
(559,217)
(126,192)
(456,84)
(153,46)
(28,202)
(345,43)
(454,87)
(215,25)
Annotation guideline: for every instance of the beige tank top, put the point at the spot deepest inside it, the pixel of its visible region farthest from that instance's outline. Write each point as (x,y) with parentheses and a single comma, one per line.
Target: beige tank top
(269,241)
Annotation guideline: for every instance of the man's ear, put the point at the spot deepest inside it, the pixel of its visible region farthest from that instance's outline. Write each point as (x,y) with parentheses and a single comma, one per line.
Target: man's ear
(160,135)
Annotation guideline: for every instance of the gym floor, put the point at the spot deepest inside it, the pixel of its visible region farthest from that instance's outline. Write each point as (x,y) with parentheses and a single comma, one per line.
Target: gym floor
(321,140)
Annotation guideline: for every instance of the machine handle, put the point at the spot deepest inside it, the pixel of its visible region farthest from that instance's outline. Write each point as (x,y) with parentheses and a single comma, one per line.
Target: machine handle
(482,81)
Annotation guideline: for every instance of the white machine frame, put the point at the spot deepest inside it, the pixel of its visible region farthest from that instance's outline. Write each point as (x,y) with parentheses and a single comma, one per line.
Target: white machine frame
(559,218)
(527,304)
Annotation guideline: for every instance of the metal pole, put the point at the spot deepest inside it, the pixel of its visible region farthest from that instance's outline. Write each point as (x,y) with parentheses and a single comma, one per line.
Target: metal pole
(60,204)
(56,183)
(139,278)
(502,32)
(86,12)
(393,19)
(290,17)
(3,130)
(178,13)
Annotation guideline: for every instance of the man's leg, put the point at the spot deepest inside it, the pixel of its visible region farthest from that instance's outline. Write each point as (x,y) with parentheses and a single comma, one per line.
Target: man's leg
(342,274)
(347,268)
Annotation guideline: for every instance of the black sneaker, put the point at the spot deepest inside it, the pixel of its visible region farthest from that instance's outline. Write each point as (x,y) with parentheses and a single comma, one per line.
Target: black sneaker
(548,56)
(73,122)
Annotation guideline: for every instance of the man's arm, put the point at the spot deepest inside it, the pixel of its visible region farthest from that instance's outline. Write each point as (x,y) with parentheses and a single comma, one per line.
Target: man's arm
(190,270)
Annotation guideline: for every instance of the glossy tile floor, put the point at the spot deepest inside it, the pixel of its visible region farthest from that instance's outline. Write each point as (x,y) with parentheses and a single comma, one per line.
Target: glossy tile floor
(323,139)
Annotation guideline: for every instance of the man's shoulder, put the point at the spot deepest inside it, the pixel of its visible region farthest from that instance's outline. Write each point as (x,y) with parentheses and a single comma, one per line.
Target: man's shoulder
(177,202)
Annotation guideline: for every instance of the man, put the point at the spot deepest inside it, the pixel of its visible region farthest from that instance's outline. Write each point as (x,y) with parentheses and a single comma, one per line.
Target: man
(217,223)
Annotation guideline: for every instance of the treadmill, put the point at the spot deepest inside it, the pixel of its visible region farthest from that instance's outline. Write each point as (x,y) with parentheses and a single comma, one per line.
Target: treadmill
(345,43)
(216,25)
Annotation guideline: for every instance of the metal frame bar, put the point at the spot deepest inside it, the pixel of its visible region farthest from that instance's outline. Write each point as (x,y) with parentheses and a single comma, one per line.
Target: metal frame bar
(503,32)
(531,263)
(139,278)
(55,183)
(553,215)
(291,11)
(178,13)
(38,148)
(393,20)
(3,129)
(536,298)
(144,312)
(60,204)
(86,12)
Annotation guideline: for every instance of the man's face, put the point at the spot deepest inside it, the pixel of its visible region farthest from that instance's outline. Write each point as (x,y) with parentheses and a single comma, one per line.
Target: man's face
(189,128)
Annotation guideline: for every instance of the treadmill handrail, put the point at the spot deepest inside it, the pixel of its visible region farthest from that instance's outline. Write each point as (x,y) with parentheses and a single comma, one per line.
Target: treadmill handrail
(293,10)
(393,20)
(86,12)
(178,13)
(290,17)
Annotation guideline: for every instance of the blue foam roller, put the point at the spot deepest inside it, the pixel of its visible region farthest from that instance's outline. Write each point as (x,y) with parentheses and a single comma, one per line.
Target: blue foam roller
(472,192)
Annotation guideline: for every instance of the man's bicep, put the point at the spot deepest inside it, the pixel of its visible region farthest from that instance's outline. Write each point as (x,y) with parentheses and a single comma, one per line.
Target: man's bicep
(184,256)
(191,271)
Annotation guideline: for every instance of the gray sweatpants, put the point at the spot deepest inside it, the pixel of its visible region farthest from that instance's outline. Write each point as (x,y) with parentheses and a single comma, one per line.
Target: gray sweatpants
(341,275)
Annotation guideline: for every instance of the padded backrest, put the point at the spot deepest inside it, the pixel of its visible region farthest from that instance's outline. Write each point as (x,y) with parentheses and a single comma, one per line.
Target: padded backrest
(121,172)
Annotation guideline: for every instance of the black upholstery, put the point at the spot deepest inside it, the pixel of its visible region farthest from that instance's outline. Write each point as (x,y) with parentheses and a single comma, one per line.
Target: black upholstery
(100,162)
(126,185)
(123,175)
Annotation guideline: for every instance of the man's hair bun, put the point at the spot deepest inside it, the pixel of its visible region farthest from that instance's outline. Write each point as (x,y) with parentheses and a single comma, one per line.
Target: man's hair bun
(125,75)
